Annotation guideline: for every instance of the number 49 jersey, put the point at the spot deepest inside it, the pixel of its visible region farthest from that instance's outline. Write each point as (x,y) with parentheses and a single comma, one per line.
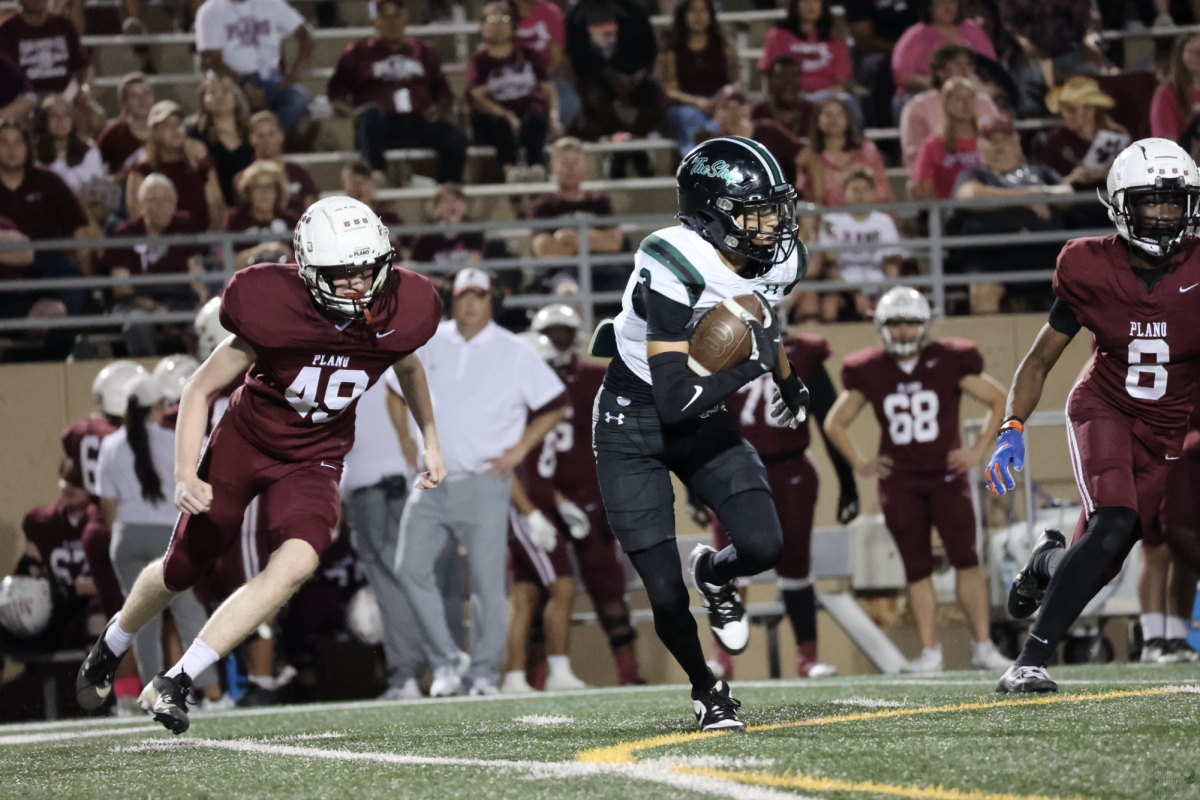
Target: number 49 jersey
(1147,343)
(298,401)
(917,411)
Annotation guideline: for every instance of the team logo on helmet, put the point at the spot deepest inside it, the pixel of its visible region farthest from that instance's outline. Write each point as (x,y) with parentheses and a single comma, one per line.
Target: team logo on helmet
(726,172)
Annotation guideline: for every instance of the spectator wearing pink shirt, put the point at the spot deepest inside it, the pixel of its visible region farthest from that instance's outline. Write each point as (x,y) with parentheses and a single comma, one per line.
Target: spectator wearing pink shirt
(541,28)
(837,149)
(944,24)
(1176,102)
(943,155)
(923,114)
(806,34)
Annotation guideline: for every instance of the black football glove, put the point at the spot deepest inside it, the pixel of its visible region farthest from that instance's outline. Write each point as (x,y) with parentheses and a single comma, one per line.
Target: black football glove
(764,347)
(789,403)
(847,506)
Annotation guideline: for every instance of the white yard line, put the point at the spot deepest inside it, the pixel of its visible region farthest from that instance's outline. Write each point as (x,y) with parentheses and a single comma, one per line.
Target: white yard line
(41,738)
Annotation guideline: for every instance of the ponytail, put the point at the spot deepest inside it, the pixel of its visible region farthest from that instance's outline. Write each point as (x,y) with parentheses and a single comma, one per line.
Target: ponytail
(139,443)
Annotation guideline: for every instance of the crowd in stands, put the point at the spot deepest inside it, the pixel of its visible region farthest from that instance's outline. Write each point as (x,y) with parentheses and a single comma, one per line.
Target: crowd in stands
(544,80)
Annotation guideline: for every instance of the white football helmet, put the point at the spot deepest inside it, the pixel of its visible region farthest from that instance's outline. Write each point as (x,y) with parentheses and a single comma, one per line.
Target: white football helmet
(25,605)
(108,389)
(209,332)
(1159,171)
(903,304)
(173,372)
(558,314)
(363,617)
(336,237)
(541,345)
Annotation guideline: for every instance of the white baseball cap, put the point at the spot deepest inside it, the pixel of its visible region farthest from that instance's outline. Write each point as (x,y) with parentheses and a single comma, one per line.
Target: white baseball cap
(472,278)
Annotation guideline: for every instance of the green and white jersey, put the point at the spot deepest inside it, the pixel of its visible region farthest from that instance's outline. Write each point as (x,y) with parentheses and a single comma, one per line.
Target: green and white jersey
(680,265)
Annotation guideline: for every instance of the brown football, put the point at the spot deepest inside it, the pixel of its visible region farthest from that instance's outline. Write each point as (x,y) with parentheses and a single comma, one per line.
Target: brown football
(721,339)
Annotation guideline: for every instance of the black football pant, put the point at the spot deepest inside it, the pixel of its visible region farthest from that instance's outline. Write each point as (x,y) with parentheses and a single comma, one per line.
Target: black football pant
(377,129)
(497,132)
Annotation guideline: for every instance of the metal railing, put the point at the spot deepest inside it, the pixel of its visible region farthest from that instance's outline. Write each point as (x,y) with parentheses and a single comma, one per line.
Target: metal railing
(933,247)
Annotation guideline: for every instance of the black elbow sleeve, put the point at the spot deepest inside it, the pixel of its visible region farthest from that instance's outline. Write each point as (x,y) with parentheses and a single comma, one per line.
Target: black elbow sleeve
(678,395)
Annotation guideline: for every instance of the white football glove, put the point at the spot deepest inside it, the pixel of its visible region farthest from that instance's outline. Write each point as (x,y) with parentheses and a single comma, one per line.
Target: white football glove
(577,520)
(542,532)
(781,415)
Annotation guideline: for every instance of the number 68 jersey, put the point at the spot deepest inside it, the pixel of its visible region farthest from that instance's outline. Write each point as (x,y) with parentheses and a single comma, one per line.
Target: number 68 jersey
(1147,342)
(917,410)
(300,394)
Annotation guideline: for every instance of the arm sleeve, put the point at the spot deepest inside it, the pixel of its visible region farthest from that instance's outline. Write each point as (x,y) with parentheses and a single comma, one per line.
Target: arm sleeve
(679,395)
(821,396)
(1063,319)
(666,320)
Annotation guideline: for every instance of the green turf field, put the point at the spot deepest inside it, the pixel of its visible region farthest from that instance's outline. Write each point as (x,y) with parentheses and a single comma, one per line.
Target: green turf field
(1111,732)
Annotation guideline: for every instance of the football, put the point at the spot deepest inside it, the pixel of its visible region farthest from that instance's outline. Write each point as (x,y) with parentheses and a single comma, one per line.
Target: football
(722,339)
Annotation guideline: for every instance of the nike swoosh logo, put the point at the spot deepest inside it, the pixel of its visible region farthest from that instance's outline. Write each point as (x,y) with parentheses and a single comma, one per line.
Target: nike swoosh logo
(1168,458)
(381,335)
(1188,289)
(1040,639)
(699,391)
(331,466)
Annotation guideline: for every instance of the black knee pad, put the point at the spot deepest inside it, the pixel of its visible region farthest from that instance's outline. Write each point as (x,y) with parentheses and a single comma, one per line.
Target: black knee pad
(1110,529)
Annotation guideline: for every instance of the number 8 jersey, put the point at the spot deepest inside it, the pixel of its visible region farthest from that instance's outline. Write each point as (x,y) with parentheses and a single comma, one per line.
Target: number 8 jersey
(1147,341)
(298,401)
(917,409)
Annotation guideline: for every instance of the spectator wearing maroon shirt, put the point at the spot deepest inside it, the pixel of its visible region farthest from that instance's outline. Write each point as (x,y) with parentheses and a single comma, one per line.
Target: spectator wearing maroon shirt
(16,92)
(266,137)
(359,183)
(569,165)
(121,142)
(448,207)
(262,207)
(394,89)
(732,113)
(540,27)
(223,125)
(784,102)
(45,46)
(185,161)
(511,97)
(40,206)
(697,65)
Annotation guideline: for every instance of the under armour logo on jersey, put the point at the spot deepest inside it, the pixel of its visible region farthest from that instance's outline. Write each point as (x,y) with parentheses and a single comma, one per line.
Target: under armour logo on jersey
(620,418)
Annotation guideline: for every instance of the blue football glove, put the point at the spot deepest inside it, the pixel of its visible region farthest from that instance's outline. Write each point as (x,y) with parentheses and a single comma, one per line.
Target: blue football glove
(1010,449)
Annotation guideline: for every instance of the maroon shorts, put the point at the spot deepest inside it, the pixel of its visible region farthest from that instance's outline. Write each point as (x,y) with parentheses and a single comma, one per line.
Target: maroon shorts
(794,486)
(530,564)
(241,562)
(1181,504)
(599,566)
(300,499)
(1114,467)
(915,504)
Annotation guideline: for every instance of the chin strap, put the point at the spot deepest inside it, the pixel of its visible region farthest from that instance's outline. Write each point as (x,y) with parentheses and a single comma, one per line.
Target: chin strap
(356,298)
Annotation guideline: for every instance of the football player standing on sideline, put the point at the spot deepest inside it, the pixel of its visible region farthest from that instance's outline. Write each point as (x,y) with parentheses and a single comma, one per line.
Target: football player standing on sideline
(915,387)
(737,235)
(1128,417)
(313,338)
(497,399)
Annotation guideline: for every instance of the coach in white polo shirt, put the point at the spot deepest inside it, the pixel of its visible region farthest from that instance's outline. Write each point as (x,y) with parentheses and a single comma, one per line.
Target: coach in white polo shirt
(485,384)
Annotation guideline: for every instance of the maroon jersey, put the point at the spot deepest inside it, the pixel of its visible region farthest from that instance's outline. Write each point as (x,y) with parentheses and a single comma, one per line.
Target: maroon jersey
(42,207)
(1147,343)
(158,258)
(189,185)
(298,401)
(536,474)
(118,145)
(917,411)
(513,82)
(751,405)
(403,81)
(552,206)
(572,445)
(49,55)
(81,443)
(58,537)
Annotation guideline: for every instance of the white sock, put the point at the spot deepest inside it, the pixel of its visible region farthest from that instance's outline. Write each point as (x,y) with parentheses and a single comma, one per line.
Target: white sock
(981,647)
(1177,627)
(198,658)
(261,681)
(117,639)
(559,664)
(1153,626)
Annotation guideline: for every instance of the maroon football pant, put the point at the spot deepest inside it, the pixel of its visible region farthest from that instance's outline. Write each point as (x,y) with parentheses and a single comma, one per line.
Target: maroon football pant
(301,501)
(915,504)
(96,539)
(1114,468)
(794,487)
(528,563)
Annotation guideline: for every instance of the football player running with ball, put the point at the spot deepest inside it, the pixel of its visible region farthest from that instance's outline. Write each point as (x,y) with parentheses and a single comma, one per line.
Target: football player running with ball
(1128,417)
(737,236)
(314,337)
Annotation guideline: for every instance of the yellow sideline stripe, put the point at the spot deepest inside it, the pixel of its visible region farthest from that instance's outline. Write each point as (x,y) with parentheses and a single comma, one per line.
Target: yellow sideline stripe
(623,753)
(815,784)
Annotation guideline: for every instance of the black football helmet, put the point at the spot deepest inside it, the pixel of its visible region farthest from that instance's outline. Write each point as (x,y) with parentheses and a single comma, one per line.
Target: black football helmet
(731,177)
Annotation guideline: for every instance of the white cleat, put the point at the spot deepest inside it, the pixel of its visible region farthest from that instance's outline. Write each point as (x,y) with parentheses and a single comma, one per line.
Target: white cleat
(446,682)
(410,690)
(563,680)
(514,683)
(482,687)
(985,656)
(929,661)
(726,614)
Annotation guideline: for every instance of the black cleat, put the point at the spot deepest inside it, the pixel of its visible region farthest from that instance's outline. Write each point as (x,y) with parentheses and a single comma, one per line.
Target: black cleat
(1025,680)
(726,614)
(166,700)
(97,673)
(254,696)
(716,710)
(1028,587)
